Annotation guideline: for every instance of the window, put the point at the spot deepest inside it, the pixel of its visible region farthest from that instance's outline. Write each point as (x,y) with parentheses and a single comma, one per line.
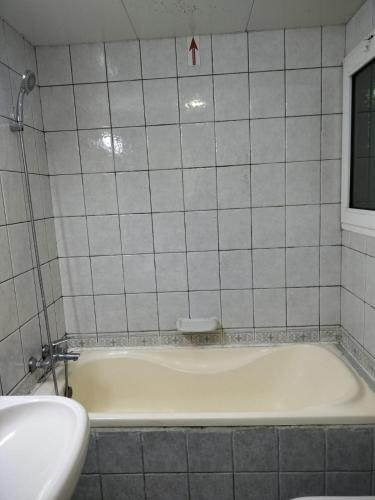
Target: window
(358,150)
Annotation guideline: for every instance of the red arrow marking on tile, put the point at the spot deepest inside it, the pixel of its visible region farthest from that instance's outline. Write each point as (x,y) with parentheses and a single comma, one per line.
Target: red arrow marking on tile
(193,47)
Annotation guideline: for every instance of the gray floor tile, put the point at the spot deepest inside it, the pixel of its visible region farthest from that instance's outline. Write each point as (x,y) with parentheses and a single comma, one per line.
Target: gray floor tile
(348,483)
(166,486)
(164,451)
(255,449)
(301,484)
(88,488)
(349,449)
(91,463)
(211,486)
(123,487)
(210,451)
(256,486)
(119,452)
(301,449)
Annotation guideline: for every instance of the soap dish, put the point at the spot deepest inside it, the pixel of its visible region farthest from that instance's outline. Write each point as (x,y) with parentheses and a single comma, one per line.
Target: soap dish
(197,325)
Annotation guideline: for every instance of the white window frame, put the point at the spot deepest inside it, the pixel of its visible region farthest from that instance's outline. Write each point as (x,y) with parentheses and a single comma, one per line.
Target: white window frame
(352,219)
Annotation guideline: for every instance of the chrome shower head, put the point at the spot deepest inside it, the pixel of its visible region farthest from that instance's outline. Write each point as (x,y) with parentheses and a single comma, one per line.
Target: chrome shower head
(28,82)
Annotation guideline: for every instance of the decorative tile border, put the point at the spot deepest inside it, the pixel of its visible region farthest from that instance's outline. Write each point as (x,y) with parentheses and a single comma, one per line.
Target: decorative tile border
(230,336)
(358,353)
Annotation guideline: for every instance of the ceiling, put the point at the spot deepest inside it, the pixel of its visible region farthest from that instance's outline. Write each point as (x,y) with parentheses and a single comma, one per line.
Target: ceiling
(52,22)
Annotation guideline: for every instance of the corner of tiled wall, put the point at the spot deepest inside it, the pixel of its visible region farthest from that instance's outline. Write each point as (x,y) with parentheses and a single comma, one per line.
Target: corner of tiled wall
(21,322)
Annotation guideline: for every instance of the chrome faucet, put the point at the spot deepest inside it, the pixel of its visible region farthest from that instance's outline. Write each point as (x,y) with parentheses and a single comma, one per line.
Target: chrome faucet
(59,353)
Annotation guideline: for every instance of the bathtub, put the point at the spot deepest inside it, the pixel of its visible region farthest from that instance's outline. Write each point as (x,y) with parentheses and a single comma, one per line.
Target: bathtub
(222,386)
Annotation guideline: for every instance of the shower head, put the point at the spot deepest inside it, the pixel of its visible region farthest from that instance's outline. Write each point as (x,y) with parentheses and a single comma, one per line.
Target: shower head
(28,82)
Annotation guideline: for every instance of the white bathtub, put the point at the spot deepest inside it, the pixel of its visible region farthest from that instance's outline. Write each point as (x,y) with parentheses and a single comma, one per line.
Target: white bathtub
(290,384)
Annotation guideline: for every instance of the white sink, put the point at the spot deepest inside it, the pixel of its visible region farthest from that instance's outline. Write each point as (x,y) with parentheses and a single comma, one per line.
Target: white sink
(43,445)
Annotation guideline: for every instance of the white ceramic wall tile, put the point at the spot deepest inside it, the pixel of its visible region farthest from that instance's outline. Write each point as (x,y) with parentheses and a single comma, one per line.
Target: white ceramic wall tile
(96,151)
(5,92)
(267,94)
(17,254)
(230,53)
(203,270)
(268,185)
(169,232)
(8,309)
(63,153)
(166,191)
(196,99)
(88,62)
(136,305)
(355,267)
(232,143)
(234,229)
(332,90)
(171,273)
(100,194)
(233,187)
(110,313)
(171,306)
(71,235)
(359,25)
(303,92)
(205,304)
(200,189)
(79,315)
(352,315)
(161,101)
(231,97)
(331,181)
(303,48)
(235,269)
(133,192)
(183,55)
(266,316)
(24,285)
(302,183)
(107,275)
(237,308)
(331,137)
(201,230)
(104,235)
(303,138)
(89,116)
(14,198)
(269,268)
(163,144)
(58,108)
(75,276)
(198,145)
(158,58)
(12,364)
(333,45)
(126,104)
(123,60)
(302,306)
(302,225)
(129,147)
(15,48)
(266,50)
(330,265)
(268,227)
(330,230)
(268,140)
(136,233)
(369,337)
(330,305)
(302,266)
(139,273)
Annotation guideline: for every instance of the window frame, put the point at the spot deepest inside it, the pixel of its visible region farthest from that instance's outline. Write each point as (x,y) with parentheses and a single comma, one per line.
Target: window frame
(353,219)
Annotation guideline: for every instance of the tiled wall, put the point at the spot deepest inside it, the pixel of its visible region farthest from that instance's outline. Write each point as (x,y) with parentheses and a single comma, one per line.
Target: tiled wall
(256,463)
(21,327)
(358,251)
(206,191)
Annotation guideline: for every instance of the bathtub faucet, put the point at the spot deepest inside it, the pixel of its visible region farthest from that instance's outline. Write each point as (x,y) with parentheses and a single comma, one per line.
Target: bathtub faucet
(59,353)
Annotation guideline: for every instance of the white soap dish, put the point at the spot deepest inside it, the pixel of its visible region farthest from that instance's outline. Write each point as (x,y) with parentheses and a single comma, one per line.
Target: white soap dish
(201,325)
